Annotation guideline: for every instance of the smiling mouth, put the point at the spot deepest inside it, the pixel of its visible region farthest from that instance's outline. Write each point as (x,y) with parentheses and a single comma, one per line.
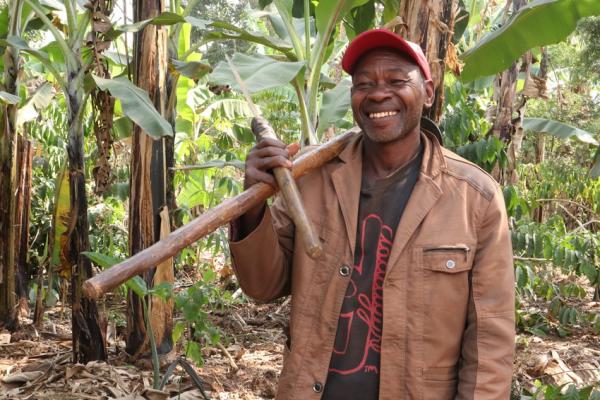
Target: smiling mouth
(382,114)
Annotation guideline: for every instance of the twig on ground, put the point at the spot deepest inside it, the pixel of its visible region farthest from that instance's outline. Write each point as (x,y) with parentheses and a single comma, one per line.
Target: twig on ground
(281,307)
(232,363)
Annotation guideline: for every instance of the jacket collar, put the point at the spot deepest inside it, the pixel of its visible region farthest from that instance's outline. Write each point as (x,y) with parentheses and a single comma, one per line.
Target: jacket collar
(433,158)
(347,175)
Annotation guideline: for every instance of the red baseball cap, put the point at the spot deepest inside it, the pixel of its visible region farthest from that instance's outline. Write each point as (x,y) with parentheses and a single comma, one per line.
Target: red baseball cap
(382,38)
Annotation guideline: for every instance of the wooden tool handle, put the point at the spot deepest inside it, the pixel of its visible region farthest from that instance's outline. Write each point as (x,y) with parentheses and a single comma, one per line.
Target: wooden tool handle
(289,190)
(206,223)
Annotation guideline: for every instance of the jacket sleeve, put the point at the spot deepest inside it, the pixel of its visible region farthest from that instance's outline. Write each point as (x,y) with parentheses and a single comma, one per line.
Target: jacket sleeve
(262,259)
(485,370)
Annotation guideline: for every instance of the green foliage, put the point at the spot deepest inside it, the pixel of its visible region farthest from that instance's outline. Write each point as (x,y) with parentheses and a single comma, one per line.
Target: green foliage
(525,30)
(557,260)
(193,304)
(567,392)
(258,72)
(558,129)
(136,105)
(589,28)
(466,130)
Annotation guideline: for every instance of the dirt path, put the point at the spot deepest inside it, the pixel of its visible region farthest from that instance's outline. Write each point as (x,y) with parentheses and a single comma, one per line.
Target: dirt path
(246,367)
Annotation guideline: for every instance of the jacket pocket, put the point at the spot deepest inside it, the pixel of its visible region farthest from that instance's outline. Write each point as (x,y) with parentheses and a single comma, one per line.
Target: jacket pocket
(447,258)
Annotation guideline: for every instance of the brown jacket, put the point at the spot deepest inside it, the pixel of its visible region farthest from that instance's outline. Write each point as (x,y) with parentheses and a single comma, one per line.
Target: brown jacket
(448,307)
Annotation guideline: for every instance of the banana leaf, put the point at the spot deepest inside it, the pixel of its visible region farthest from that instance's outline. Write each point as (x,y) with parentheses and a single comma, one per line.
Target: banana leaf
(539,23)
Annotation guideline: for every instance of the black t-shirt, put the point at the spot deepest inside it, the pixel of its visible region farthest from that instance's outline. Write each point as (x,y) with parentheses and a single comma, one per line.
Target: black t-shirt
(354,366)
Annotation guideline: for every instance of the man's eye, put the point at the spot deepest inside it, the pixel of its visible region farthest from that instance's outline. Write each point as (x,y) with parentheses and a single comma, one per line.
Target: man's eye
(363,85)
(399,82)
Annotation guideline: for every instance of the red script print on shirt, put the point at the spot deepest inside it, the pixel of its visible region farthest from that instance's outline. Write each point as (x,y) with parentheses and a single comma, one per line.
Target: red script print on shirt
(366,304)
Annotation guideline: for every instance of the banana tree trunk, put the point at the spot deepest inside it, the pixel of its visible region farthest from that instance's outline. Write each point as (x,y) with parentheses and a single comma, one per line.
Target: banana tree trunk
(88,341)
(23,204)
(505,93)
(431,24)
(8,177)
(148,183)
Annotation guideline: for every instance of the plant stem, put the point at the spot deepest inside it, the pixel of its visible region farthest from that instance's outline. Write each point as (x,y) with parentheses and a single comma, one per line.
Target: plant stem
(155,362)
(307,126)
(307,27)
(286,17)
(70,59)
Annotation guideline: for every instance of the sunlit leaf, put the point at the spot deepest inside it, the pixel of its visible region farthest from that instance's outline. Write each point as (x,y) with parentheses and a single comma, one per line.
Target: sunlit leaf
(137,285)
(336,103)
(214,164)
(61,218)
(558,129)
(254,37)
(329,12)
(539,23)
(35,104)
(191,69)
(166,18)
(136,105)
(258,72)
(8,98)
(228,109)
(102,260)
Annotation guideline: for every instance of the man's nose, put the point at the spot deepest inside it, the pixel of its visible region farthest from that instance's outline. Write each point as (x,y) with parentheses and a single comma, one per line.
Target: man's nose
(380,92)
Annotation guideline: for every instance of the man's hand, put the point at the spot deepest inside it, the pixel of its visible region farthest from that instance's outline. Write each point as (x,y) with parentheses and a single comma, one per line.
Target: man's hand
(267,154)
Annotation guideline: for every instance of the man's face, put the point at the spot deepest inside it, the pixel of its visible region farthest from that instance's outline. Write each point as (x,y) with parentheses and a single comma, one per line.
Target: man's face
(388,95)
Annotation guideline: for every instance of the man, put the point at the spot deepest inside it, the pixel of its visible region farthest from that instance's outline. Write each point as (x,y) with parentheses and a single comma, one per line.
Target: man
(414,297)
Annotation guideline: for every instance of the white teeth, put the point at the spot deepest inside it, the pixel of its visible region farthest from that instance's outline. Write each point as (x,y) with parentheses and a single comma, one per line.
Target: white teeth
(382,114)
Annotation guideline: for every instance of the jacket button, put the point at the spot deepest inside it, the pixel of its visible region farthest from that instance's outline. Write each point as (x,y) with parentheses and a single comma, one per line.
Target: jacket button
(318,387)
(344,270)
(450,264)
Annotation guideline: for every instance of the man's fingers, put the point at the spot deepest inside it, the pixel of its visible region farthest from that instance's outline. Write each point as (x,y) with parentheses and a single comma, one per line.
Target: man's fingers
(270,152)
(254,175)
(292,149)
(268,163)
(270,142)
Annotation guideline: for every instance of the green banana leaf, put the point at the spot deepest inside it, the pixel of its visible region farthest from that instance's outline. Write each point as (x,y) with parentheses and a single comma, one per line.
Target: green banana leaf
(136,105)
(4,22)
(329,12)
(8,98)
(558,129)
(214,164)
(540,23)
(191,69)
(228,109)
(253,37)
(102,260)
(166,18)
(35,104)
(336,103)
(258,72)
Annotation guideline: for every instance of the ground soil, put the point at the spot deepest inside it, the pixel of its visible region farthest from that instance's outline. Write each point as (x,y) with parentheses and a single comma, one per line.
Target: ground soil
(38,364)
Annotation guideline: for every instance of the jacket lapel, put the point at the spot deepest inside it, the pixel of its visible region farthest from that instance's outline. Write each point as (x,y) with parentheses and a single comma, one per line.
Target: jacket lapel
(346,182)
(424,196)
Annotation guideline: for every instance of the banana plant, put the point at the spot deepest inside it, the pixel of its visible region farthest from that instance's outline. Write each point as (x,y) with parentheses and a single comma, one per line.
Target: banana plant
(298,55)
(69,72)
(539,23)
(8,165)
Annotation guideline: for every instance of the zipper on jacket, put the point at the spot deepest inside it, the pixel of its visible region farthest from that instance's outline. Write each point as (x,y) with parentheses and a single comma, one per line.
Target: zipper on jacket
(464,248)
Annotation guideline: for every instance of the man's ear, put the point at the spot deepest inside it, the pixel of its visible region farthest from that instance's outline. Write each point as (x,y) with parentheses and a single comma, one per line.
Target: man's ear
(429,93)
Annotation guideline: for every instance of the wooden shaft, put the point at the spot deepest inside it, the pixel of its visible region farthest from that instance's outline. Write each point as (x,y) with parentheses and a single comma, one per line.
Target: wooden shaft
(289,190)
(227,211)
